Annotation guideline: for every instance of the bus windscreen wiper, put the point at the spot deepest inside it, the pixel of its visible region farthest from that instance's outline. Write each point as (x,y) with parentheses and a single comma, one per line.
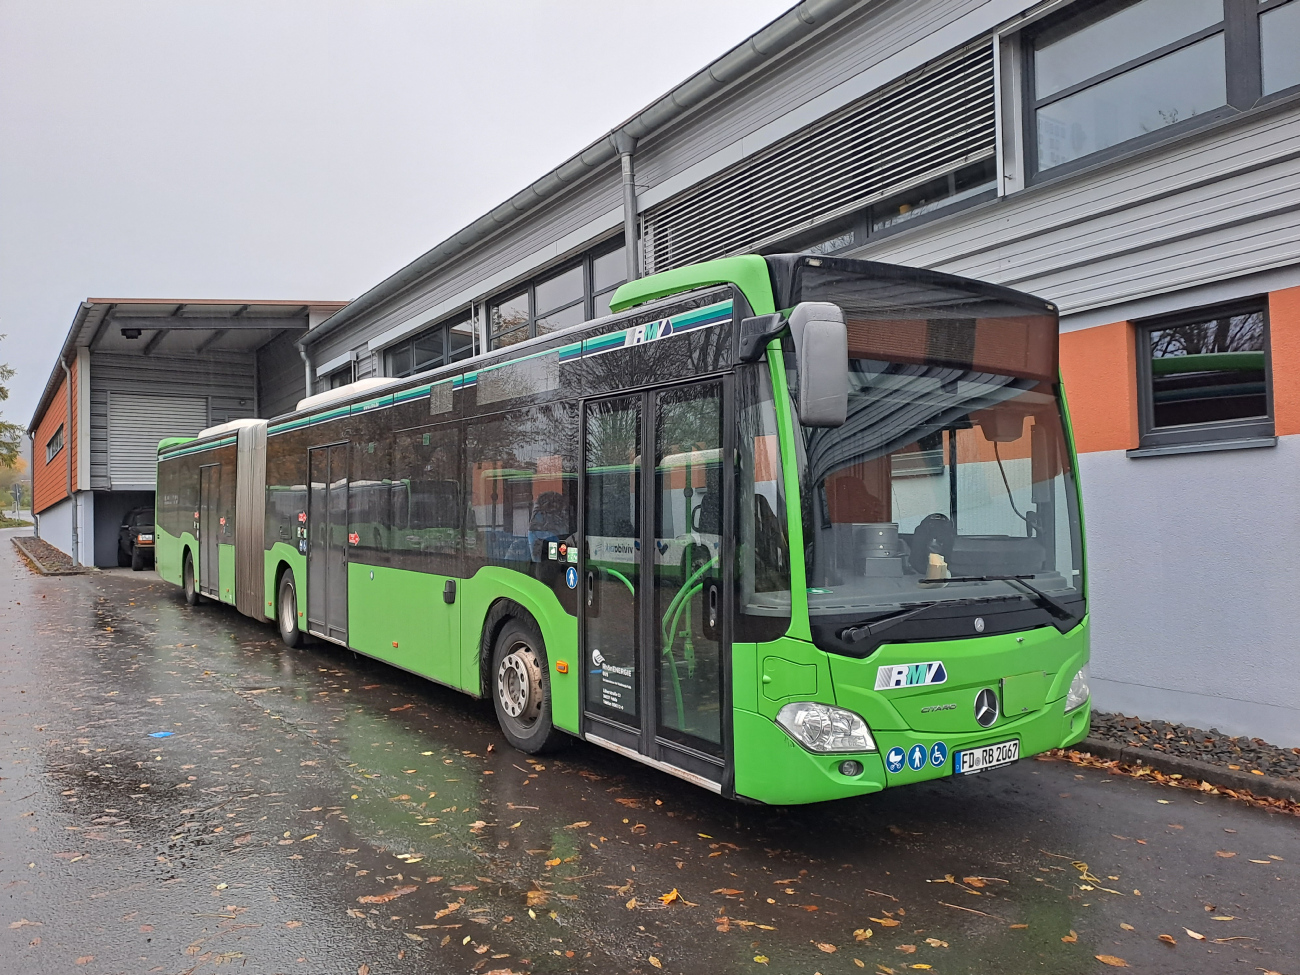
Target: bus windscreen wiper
(1049,603)
(860,631)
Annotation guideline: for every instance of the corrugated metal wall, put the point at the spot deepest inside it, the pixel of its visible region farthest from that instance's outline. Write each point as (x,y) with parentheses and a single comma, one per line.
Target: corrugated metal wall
(225,379)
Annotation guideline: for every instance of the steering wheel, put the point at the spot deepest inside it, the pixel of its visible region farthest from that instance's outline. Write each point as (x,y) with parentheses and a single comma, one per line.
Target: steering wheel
(935,533)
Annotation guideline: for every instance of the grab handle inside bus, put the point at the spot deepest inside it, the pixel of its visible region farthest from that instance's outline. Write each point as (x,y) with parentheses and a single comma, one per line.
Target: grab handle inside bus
(821,351)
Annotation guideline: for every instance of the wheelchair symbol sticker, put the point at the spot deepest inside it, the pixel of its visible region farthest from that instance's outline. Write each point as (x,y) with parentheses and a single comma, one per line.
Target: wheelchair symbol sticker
(938,754)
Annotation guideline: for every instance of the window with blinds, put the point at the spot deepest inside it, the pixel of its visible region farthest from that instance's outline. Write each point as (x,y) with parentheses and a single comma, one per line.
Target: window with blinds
(910,133)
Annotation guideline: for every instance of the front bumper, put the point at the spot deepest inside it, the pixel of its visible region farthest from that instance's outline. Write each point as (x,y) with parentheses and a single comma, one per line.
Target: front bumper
(772,768)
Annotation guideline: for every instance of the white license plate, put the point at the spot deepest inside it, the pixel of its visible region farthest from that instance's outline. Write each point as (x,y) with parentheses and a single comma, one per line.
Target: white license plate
(145,538)
(986,756)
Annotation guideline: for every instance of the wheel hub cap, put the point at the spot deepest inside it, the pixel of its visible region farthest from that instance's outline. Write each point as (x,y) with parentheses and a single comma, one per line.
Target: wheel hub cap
(517,685)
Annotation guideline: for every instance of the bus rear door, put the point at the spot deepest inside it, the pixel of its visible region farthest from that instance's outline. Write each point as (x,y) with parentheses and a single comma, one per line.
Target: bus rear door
(209,529)
(327,542)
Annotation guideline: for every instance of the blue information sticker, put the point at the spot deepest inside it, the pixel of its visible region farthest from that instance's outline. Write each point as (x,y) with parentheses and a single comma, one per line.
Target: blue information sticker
(571,576)
(894,759)
(916,757)
(938,754)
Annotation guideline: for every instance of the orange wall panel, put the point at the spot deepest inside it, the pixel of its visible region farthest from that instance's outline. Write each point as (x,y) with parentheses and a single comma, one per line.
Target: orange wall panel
(1099,367)
(1284,346)
(50,481)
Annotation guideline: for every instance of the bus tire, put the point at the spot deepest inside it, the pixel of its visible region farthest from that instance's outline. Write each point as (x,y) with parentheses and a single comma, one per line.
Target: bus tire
(520,685)
(286,610)
(188,583)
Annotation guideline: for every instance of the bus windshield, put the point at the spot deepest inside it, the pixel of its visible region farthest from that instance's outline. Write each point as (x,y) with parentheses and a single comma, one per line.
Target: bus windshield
(952,463)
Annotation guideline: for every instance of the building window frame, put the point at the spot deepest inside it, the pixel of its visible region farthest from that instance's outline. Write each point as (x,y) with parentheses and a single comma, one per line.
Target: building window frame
(54,444)
(593,292)
(1246,431)
(342,376)
(1240,28)
(441,330)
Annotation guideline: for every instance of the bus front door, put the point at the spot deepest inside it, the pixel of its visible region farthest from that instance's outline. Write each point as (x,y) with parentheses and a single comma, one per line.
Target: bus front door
(327,542)
(209,529)
(656,578)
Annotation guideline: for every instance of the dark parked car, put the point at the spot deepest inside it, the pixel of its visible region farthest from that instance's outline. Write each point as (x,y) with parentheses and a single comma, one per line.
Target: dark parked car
(135,540)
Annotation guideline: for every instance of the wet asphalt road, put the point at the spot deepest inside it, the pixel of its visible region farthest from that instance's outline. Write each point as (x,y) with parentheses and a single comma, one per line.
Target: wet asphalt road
(317,812)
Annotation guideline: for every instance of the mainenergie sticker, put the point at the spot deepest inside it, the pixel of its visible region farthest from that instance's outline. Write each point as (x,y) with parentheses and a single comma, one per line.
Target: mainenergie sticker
(910,675)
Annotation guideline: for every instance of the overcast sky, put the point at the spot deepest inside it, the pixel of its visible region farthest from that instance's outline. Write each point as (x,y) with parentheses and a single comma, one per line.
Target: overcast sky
(294,148)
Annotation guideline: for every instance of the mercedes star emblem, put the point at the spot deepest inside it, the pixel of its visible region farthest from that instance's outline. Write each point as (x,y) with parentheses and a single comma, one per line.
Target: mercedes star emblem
(979,624)
(986,708)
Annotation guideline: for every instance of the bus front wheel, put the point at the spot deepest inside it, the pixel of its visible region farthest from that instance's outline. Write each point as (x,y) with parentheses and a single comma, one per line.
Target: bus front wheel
(287,612)
(521,688)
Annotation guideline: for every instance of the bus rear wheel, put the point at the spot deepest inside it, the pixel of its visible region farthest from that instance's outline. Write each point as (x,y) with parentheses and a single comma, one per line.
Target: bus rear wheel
(521,688)
(287,611)
(192,596)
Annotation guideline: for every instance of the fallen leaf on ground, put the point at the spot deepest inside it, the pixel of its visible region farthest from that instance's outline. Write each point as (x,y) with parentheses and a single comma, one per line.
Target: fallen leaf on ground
(1070,938)
(293,924)
(1223,917)
(729,891)
(387,896)
(862,934)
(536,898)
(656,962)
(669,897)
(761,959)
(1224,853)
(823,946)
(906,949)
(936,943)
(886,922)
(1193,934)
(1112,961)
(1127,927)
(22,923)
(364,969)
(85,959)
(581,825)
(1168,939)
(631,904)
(1019,927)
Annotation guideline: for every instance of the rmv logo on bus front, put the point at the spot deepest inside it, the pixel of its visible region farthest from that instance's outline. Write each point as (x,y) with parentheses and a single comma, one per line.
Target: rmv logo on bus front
(910,675)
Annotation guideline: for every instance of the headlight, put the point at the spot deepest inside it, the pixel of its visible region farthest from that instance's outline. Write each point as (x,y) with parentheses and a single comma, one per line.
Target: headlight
(1078,690)
(822,728)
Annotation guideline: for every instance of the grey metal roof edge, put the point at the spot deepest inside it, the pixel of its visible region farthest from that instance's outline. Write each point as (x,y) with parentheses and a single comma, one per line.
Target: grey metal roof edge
(56,374)
(783,32)
(84,308)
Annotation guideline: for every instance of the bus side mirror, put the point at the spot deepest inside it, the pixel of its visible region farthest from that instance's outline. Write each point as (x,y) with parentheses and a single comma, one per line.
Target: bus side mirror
(821,349)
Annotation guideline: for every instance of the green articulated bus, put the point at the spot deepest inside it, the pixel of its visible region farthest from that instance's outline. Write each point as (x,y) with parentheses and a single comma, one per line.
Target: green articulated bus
(791,528)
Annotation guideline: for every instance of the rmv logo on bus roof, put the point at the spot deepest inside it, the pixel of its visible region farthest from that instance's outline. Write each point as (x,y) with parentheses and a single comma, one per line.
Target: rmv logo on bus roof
(910,675)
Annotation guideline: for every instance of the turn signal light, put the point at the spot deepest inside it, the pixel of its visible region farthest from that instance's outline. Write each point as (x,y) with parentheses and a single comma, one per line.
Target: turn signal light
(561,667)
